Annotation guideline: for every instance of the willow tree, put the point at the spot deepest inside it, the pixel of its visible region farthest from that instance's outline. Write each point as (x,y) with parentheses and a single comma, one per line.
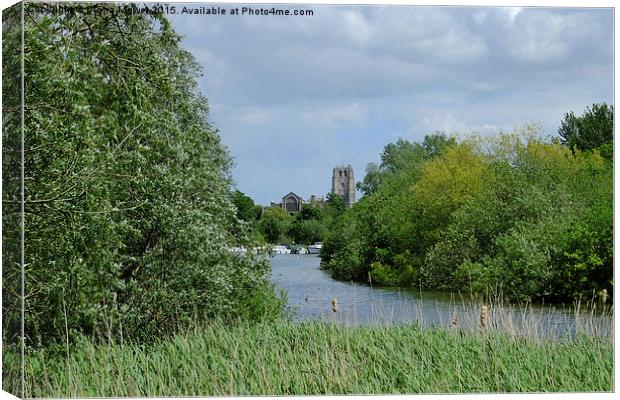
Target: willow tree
(127,208)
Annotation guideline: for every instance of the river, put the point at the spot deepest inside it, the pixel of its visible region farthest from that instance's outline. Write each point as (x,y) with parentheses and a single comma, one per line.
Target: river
(310,291)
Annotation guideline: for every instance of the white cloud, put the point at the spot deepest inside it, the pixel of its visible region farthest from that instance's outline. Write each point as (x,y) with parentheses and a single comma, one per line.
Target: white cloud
(452,48)
(427,35)
(541,39)
(545,37)
(357,27)
(512,12)
(480,16)
(539,51)
(350,115)
(255,117)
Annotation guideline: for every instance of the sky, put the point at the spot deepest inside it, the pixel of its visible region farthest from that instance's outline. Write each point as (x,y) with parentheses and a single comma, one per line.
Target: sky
(295,96)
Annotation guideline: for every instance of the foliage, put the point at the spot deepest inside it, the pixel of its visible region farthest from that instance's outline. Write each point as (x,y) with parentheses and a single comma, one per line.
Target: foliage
(371,181)
(401,156)
(593,130)
(307,232)
(334,204)
(129,218)
(380,225)
(308,226)
(542,229)
(246,209)
(274,224)
(341,252)
(11,177)
(445,184)
(508,213)
(309,212)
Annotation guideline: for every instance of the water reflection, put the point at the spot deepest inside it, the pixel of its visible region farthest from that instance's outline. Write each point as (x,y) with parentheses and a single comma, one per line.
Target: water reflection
(311,291)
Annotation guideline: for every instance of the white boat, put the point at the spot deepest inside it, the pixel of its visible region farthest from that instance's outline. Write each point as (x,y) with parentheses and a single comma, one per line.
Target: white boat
(280,250)
(315,248)
(238,250)
(297,249)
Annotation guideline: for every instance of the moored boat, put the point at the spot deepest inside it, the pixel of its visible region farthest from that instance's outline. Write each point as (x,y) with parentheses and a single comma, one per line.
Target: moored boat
(279,249)
(315,248)
(298,249)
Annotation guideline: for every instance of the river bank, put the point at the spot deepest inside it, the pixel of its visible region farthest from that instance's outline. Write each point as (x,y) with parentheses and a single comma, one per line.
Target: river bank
(310,291)
(320,358)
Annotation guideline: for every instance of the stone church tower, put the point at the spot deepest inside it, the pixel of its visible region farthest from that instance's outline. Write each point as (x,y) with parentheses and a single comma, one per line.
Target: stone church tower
(343,184)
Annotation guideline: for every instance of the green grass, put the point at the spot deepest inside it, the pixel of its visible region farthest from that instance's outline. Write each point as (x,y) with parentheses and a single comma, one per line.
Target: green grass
(321,358)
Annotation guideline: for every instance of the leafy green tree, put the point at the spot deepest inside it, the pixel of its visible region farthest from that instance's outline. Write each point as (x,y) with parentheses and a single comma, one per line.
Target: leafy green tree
(307,231)
(447,182)
(128,196)
(372,180)
(274,224)
(403,156)
(397,156)
(594,129)
(308,226)
(340,254)
(309,212)
(334,204)
(246,209)
(383,219)
(436,144)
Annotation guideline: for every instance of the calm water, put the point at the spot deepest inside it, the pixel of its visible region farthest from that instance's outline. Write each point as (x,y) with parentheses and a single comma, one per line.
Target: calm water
(311,290)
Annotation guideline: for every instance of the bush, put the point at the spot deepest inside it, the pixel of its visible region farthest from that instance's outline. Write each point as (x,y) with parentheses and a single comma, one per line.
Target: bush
(542,229)
(307,232)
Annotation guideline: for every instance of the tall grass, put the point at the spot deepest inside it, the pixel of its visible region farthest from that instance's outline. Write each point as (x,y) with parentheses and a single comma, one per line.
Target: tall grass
(535,322)
(321,358)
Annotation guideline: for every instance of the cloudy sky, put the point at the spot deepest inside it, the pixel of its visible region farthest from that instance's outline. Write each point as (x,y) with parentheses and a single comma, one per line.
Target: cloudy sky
(295,96)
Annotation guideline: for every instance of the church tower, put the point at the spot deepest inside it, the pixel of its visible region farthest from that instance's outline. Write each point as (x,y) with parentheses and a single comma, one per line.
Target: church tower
(343,184)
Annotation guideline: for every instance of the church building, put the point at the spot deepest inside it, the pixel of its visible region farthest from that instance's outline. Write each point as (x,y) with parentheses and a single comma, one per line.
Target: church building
(343,184)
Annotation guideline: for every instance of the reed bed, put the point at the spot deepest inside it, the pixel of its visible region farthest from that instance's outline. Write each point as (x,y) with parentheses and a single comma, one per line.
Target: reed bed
(537,323)
(285,358)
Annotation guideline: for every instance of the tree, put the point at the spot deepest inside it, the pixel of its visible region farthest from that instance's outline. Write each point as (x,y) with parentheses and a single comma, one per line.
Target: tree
(308,226)
(274,223)
(372,180)
(387,233)
(334,204)
(448,181)
(128,196)
(397,156)
(403,156)
(308,212)
(11,183)
(246,209)
(307,231)
(435,144)
(593,130)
